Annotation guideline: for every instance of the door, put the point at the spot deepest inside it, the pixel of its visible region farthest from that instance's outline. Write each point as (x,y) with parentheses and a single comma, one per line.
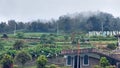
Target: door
(76,61)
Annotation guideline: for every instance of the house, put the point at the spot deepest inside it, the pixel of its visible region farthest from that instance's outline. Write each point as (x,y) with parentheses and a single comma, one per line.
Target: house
(87,58)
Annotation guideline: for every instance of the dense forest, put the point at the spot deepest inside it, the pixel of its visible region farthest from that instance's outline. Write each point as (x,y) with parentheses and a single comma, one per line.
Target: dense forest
(85,21)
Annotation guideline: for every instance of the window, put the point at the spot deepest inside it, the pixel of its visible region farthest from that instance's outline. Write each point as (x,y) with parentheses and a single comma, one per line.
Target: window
(86,60)
(69,60)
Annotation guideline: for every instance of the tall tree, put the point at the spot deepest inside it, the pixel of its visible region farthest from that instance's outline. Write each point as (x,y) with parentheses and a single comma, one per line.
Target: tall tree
(3,27)
(12,25)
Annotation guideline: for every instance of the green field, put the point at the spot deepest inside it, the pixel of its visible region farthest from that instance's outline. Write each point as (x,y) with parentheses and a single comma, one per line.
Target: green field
(35,43)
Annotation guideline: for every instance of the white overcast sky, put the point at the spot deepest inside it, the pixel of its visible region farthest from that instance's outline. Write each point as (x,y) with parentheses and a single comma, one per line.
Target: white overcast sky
(27,10)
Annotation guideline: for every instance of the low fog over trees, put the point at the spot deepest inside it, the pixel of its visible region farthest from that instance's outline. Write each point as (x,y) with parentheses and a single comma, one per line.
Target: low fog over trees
(86,21)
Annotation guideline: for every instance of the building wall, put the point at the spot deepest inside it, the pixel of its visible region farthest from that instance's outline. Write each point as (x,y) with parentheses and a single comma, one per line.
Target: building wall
(92,62)
(61,61)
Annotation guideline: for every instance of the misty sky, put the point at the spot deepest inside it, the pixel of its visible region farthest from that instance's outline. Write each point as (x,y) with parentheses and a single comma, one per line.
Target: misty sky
(27,10)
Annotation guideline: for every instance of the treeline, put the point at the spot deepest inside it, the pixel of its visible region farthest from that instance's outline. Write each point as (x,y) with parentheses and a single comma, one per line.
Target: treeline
(86,21)
(35,26)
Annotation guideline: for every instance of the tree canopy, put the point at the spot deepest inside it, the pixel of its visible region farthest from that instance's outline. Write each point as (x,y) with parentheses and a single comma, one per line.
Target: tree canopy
(66,23)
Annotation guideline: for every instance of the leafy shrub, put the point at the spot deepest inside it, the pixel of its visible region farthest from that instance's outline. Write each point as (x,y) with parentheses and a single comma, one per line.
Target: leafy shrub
(41,61)
(23,57)
(4,36)
(53,66)
(7,61)
(104,62)
(18,44)
(20,35)
(11,53)
(74,42)
(66,37)
(112,46)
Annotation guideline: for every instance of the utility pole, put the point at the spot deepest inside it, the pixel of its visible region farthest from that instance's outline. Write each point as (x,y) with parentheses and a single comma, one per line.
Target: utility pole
(15,29)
